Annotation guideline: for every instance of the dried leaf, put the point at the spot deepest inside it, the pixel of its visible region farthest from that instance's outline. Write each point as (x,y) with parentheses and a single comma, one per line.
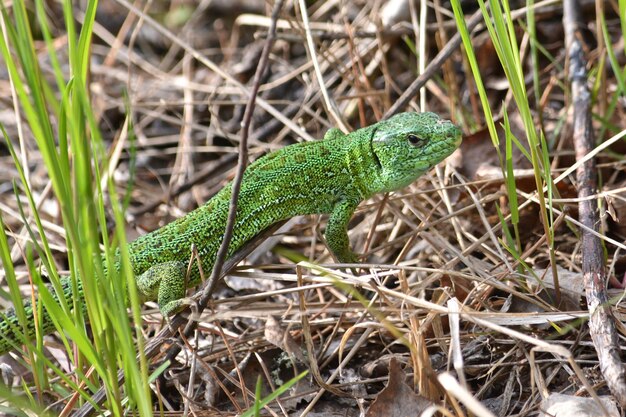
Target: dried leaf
(397,399)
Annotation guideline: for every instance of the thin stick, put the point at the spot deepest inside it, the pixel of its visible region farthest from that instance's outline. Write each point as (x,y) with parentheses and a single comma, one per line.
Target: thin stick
(209,285)
(601,319)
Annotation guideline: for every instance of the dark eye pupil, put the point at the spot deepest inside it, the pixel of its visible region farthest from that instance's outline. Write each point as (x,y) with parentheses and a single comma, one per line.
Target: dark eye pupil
(416,140)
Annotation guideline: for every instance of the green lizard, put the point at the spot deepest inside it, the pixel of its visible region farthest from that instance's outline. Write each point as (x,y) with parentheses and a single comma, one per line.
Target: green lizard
(331,176)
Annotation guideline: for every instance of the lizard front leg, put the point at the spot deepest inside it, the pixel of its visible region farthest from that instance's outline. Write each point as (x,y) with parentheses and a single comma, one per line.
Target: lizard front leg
(167,284)
(337,231)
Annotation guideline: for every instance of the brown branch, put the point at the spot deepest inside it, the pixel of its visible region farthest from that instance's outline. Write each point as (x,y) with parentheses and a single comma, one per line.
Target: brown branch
(209,285)
(601,318)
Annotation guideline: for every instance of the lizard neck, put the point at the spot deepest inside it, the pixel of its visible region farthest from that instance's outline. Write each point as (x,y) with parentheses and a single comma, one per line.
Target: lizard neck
(362,163)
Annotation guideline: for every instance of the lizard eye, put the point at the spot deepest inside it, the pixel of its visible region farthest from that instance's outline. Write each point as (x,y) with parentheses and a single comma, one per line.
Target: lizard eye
(416,141)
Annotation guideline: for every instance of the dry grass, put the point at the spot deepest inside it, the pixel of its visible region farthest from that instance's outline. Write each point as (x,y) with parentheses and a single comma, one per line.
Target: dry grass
(439,291)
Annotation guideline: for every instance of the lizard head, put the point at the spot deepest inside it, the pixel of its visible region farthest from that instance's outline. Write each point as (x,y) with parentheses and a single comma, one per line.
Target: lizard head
(408,144)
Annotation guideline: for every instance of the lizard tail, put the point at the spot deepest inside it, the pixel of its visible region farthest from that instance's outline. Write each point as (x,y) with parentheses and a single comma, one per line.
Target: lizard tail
(13,334)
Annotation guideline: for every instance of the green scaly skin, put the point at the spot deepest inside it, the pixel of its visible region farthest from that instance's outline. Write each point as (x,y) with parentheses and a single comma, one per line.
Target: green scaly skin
(331,176)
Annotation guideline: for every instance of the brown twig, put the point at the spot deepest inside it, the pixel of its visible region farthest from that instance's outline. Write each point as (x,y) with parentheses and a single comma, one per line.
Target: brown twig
(209,285)
(601,319)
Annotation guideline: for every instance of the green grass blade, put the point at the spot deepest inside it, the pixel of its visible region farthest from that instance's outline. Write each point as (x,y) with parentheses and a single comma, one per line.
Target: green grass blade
(482,92)
(280,391)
